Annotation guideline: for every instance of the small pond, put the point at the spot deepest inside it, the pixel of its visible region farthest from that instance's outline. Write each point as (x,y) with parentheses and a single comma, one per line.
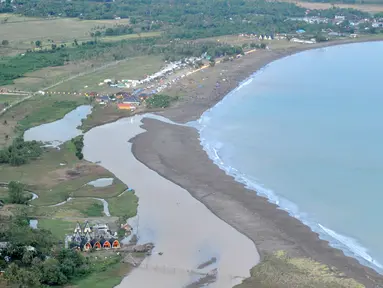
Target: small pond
(33,223)
(101,182)
(60,131)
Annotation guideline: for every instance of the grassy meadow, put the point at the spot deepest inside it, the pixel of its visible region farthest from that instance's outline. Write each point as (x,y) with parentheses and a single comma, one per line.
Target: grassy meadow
(20,31)
(108,272)
(35,111)
(131,68)
(281,271)
(59,175)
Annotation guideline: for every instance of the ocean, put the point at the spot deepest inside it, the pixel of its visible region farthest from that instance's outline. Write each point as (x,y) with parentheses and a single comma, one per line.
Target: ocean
(307,132)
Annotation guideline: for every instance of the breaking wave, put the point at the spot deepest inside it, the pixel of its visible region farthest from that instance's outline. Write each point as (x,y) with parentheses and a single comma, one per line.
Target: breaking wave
(348,245)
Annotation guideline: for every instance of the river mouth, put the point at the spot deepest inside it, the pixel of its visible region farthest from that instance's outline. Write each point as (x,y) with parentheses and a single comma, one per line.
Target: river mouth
(185,233)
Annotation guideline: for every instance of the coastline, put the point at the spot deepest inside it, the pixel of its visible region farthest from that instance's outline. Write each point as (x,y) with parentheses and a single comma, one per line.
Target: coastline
(164,149)
(195,101)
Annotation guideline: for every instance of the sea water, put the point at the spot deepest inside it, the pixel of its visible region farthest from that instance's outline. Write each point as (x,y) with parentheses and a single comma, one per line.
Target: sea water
(307,132)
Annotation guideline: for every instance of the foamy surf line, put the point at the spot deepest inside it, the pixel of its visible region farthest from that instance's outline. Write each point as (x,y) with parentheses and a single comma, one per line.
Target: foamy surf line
(348,245)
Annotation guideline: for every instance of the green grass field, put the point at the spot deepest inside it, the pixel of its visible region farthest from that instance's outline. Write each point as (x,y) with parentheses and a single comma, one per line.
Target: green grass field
(20,30)
(107,273)
(280,271)
(54,183)
(10,98)
(126,204)
(35,111)
(133,68)
(59,228)
(75,208)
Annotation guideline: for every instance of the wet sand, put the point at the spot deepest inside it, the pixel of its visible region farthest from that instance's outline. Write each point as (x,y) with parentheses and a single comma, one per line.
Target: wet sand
(185,233)
(176,154)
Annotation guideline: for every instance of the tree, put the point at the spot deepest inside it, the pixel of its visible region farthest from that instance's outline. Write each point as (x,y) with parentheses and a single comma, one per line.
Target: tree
(22,277)
(15,192)
(38,43)
(5,42)
(51,273)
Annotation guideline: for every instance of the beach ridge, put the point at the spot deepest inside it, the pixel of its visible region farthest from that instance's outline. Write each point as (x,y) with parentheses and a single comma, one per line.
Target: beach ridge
(175,153)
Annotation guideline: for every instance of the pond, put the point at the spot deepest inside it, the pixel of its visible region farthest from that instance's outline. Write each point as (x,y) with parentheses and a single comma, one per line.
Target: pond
(55,133)
(33,223)
(101,182)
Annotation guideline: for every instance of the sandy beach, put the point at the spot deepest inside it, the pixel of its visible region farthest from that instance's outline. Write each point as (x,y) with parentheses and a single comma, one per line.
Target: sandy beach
(188,184)
(185,233)
(176,154)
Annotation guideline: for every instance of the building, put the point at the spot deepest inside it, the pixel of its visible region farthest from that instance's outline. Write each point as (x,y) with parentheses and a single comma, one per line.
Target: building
(96,237)
(129,107)
(131,100)
(143,96)
(122,95)
(103,99)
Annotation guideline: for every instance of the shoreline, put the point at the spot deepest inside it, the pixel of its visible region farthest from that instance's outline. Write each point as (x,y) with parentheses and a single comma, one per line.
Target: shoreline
(237,71)
(150,149)
(185,233)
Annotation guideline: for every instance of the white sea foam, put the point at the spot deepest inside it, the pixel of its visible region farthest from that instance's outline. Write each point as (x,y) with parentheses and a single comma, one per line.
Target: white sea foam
(348,245)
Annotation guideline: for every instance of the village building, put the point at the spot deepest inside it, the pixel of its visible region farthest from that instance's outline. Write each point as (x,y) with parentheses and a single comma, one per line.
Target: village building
(123,106)
(103,99)
(128,229)
(96,237)
(143,96)
(133,100)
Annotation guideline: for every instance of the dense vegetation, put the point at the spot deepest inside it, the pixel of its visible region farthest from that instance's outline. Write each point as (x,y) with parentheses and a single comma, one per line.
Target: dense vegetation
(188,19)
(159,101)
(20,152)
(31,260)
(16,193)
(78,143)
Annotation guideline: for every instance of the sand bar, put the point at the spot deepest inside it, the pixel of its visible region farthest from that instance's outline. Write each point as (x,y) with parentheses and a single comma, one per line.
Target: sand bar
(185,233)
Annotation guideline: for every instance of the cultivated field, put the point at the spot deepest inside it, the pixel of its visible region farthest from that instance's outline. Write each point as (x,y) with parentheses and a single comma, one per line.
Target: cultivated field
(22,32)
(370,8)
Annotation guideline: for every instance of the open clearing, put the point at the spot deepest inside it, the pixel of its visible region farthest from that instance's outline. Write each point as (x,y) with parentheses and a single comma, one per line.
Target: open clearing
(279,270)
(370,8)
(22,32)
(133,68)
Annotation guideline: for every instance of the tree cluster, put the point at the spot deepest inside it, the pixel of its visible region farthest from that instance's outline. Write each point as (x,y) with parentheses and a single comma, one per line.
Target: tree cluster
(78,143)
(159,101)
(20,152)
(16,193)
(31,260)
